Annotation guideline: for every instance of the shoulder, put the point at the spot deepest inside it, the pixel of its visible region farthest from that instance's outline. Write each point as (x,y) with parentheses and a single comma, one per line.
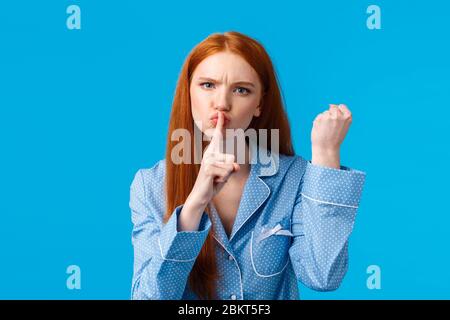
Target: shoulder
(278,165)
(147,192)
(292,165)
(149,182)
(152,175)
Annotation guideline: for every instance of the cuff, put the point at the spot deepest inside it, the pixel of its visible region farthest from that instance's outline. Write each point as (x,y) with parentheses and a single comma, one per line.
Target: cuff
(182,246)
(336,186)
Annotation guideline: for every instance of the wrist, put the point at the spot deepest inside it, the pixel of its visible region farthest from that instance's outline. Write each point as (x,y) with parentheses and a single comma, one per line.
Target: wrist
(195,204)
(326,158)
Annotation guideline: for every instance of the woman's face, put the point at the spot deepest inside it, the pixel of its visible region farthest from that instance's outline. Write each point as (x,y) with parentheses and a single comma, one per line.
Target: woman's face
(225,82)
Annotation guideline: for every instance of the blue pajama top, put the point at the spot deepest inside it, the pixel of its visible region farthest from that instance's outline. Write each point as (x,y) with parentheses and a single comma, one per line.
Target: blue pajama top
(293,224)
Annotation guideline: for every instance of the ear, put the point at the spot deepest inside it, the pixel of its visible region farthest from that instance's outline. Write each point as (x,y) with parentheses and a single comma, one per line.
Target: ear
(257,112)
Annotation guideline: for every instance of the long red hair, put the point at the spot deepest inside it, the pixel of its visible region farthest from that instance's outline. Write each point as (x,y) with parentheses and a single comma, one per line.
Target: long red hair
(180,178)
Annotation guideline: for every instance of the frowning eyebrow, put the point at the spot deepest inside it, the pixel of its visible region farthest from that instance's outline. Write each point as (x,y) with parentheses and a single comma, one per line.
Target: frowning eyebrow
(241,82)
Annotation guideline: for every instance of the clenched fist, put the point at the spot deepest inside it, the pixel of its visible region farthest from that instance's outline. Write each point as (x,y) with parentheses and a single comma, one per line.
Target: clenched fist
(329,130)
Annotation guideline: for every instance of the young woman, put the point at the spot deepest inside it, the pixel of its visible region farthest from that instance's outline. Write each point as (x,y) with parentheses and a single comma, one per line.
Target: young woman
(226,229)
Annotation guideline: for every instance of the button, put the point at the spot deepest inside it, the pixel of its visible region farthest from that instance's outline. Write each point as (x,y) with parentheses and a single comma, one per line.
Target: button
(233,297)
(230,257)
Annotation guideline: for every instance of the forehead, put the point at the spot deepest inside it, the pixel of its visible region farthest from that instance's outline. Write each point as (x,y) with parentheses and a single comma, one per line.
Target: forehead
(226,64)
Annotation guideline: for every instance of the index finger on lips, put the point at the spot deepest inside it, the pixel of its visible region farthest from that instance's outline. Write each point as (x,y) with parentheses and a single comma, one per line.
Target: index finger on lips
(217,136)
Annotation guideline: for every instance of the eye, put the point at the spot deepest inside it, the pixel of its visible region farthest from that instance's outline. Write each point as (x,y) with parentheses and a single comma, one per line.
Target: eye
(242,91)
(207,85)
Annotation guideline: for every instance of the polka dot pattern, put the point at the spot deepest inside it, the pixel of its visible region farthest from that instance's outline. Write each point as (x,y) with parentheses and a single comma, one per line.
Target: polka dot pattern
(313,209)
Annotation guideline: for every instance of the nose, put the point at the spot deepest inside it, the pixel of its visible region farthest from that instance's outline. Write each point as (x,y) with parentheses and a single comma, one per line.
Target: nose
(222,101)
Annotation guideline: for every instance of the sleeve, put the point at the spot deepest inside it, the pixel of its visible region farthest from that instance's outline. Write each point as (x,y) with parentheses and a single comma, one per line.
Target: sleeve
(163,256)
(322,220)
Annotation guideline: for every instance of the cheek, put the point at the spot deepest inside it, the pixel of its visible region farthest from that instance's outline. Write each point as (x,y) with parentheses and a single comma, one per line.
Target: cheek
(245,109)
(199,105)
(200,110)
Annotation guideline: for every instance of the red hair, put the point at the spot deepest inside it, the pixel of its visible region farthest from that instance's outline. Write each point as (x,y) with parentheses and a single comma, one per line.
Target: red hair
(180,178)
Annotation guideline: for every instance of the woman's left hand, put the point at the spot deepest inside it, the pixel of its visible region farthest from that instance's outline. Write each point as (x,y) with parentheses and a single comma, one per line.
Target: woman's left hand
(329,130)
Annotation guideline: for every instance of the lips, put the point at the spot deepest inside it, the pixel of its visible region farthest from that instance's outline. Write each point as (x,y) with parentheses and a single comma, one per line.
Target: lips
(215,118)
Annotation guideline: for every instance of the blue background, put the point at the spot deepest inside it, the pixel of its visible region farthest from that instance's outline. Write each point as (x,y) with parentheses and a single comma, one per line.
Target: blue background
(82,110)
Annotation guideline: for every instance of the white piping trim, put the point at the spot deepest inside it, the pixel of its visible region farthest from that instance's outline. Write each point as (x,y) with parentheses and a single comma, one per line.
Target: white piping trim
(326,202)
(253,263)
(239,269)
(162,256)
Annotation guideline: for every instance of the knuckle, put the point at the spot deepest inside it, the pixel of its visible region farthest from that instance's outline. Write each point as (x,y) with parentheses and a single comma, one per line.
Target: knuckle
(208,170)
